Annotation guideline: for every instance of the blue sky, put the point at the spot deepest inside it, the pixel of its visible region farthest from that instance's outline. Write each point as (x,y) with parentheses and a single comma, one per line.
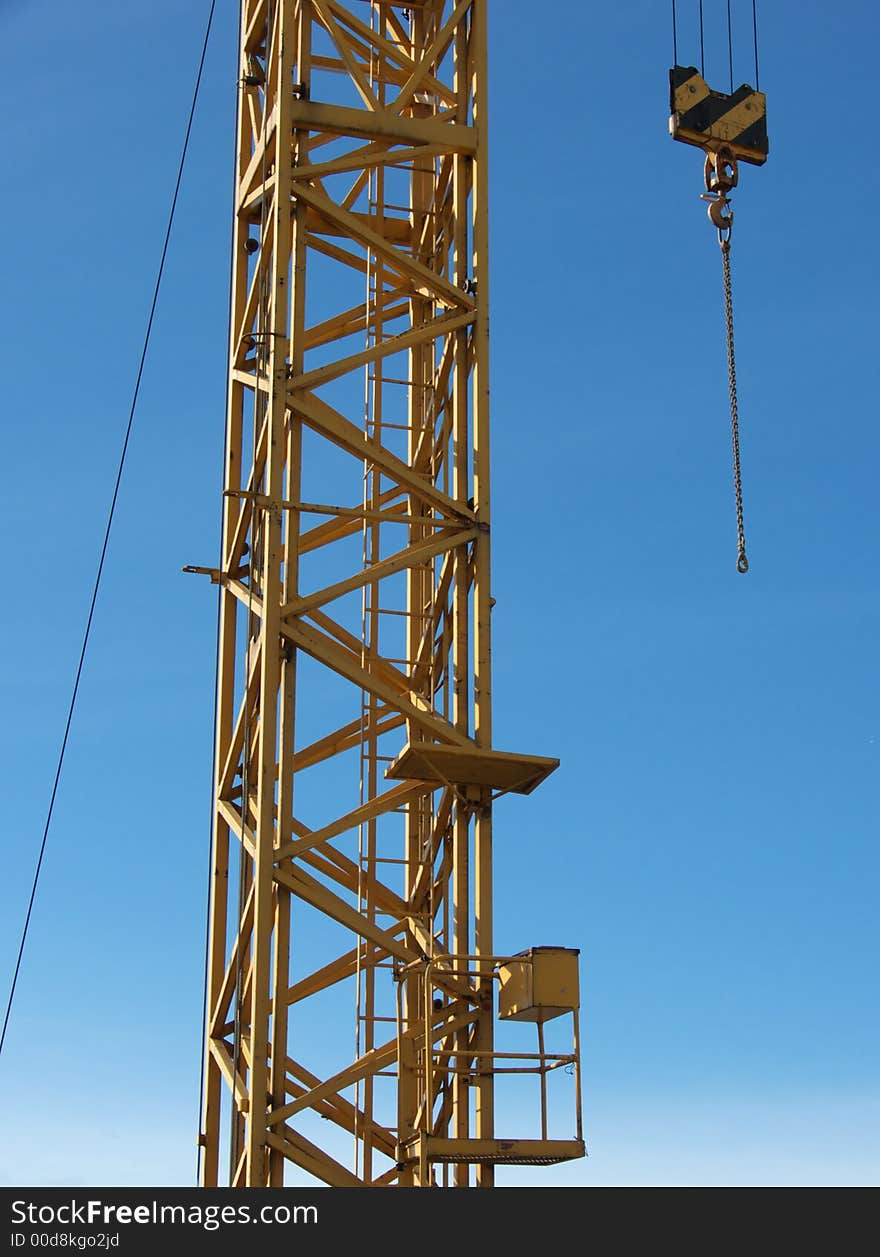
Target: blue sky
(710,839)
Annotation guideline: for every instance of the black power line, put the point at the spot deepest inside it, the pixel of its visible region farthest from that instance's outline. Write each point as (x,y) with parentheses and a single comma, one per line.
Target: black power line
(106,542)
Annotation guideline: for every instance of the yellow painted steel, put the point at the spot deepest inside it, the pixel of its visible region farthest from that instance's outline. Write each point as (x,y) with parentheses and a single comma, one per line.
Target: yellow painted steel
(355,770)
(539,985)
(688,94)
(736,123)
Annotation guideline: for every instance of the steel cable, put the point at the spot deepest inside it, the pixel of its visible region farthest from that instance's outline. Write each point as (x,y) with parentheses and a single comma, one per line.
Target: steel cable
(730,46)
(107,530)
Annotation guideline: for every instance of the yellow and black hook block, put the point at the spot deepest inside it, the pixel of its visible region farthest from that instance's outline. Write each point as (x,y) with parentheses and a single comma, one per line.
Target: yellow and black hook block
(711,120)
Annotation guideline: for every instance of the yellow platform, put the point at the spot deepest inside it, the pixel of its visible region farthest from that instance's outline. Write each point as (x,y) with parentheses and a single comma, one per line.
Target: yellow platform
(470,766)
(492,1151)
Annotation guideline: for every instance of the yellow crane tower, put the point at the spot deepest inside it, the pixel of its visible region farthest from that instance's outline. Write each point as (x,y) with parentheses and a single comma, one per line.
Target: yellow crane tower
(355,770)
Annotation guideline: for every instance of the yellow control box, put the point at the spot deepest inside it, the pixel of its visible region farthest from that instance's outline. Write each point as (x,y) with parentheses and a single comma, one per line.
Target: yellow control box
(539,984)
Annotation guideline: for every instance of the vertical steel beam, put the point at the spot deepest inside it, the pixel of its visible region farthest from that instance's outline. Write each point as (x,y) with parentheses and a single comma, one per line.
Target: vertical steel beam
(483,906)
(210,1135)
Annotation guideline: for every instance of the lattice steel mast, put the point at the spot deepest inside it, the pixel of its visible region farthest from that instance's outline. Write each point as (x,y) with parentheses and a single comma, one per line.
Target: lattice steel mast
(359,397)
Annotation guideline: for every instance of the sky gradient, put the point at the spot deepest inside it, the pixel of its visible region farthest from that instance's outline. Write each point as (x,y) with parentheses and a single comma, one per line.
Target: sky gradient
(710,841)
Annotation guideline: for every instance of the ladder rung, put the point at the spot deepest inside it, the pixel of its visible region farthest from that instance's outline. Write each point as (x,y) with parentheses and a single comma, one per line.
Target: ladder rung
(410,615)
(403,209)
(390,379)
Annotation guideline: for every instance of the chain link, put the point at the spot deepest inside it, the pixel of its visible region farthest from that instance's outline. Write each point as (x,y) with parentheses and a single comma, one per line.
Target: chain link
(721,175)
(742,563)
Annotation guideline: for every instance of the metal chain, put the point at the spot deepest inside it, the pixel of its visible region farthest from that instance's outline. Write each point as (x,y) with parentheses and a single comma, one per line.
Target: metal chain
(720,176)
(742,563)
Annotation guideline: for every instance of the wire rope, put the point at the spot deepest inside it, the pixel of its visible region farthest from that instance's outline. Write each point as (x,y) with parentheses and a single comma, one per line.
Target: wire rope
(106,541)
(730,46)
